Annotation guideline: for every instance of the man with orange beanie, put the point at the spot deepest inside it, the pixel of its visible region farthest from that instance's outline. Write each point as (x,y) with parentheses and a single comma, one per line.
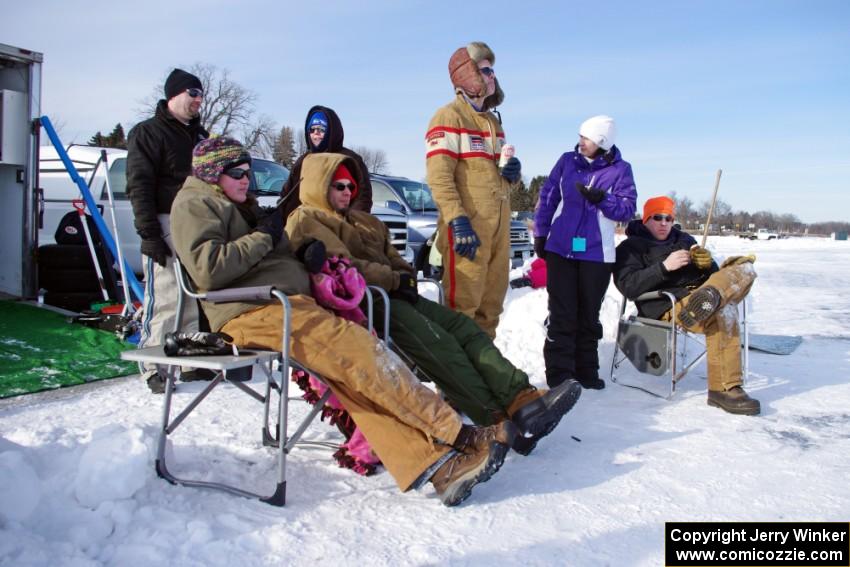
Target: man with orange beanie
(463,146)
(658,256)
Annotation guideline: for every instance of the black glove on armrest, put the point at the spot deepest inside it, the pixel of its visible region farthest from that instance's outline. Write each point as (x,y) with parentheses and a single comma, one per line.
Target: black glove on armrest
(312,254)
(407,289)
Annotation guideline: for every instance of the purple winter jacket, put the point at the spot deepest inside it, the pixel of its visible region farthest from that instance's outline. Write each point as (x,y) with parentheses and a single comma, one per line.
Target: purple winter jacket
(563,214)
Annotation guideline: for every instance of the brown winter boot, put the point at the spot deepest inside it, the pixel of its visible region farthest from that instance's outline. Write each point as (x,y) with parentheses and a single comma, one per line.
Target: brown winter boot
(479,455)
(734,400)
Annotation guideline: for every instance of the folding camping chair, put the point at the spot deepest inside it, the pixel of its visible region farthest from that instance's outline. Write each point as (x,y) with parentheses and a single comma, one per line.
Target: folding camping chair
(232,369)
(661,347)
(405,357)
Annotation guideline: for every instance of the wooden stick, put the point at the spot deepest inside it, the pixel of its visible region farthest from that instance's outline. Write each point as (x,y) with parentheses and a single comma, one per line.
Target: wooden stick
(711,210)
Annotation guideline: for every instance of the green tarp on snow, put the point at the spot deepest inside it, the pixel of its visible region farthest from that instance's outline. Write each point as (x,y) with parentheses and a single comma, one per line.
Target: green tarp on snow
(41,350)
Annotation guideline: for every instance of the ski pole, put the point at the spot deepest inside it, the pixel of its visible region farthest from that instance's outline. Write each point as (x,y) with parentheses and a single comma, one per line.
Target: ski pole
(711,209)
(128,303)
(80,205)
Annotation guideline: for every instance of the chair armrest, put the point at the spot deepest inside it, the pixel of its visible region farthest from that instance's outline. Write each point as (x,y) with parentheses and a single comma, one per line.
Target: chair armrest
(649,295)
(386,299)
(438,285)
(257,293)
(658,294)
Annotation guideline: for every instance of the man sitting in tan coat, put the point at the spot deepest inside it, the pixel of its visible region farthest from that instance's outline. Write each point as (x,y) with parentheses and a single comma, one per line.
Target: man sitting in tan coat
(224,242)
(453,351)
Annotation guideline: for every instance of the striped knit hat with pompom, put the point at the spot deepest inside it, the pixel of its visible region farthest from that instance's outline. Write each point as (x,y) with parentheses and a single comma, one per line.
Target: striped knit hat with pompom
(213,156)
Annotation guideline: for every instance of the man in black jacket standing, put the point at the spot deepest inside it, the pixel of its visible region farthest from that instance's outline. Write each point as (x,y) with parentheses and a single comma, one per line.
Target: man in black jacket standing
(159,159)
(658,256)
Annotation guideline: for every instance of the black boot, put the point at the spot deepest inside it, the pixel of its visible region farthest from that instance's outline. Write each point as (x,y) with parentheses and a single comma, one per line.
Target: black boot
(592,383)
(198,374)
(540,417)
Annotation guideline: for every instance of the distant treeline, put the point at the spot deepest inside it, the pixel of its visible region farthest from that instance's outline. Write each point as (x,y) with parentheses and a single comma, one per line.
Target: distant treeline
(691,216)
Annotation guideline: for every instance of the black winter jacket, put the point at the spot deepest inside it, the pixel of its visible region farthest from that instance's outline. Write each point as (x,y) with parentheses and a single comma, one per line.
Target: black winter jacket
(639,268)
(334,137)
(159,159)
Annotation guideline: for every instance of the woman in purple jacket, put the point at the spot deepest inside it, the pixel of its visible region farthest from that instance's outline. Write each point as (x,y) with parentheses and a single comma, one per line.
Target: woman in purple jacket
(589,190)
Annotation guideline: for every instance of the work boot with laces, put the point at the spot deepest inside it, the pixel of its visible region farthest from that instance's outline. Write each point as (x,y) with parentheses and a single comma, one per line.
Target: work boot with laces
(480,453)
(734,400)
(537,412)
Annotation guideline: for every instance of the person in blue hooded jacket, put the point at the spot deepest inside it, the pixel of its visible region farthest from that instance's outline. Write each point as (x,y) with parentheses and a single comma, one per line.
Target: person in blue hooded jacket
(588,192)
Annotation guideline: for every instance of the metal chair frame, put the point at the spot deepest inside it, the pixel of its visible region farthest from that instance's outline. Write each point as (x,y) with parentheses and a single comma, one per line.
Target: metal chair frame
(170,367)
(676,335)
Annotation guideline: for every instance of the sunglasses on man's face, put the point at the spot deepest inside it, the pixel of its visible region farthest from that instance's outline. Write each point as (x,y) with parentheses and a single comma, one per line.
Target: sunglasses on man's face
(317,130)
(237,173)
(487,71)
(195,93)
(343,186)
(662,218)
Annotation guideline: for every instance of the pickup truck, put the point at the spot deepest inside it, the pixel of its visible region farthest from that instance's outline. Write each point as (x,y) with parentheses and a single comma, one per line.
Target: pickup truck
(415,200)
(765,234)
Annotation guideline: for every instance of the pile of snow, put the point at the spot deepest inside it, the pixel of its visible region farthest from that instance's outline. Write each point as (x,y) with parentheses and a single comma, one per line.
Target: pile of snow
(77,484)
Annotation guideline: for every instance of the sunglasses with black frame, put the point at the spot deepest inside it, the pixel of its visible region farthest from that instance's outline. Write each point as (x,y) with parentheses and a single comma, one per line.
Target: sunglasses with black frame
(659,218)
(237,173)
(195,92)
(339,186)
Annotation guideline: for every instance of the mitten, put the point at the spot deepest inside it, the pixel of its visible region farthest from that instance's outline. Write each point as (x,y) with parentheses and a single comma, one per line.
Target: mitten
(312,254)
(512,170)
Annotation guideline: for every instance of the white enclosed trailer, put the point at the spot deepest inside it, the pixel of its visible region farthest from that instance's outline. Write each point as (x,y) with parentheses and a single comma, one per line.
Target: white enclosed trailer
(20,106)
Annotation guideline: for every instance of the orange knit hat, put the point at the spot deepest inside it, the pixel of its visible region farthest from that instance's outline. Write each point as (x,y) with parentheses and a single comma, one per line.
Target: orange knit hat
(659,205)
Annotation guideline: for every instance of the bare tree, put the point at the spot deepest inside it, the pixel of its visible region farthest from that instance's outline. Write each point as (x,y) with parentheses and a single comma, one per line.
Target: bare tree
(375,160)
(300,143)
(284,148)
(259,137)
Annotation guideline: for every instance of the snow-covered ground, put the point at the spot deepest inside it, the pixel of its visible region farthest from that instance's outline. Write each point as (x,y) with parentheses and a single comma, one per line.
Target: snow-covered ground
(77,485)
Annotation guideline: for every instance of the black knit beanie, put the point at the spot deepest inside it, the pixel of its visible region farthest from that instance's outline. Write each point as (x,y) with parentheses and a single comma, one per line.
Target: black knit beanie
(178,81)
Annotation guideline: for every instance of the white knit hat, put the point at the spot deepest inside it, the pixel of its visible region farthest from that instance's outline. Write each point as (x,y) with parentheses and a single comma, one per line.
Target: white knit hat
(600,130)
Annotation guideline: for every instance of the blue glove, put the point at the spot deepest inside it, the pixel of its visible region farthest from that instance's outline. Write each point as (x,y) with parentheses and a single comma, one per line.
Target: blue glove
(466,241)
(512,170)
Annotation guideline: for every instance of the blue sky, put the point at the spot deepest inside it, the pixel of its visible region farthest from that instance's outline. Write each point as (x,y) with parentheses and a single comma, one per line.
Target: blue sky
(760,89)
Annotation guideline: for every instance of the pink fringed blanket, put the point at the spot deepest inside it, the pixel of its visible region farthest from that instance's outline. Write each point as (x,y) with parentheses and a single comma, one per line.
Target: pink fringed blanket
(340,288)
